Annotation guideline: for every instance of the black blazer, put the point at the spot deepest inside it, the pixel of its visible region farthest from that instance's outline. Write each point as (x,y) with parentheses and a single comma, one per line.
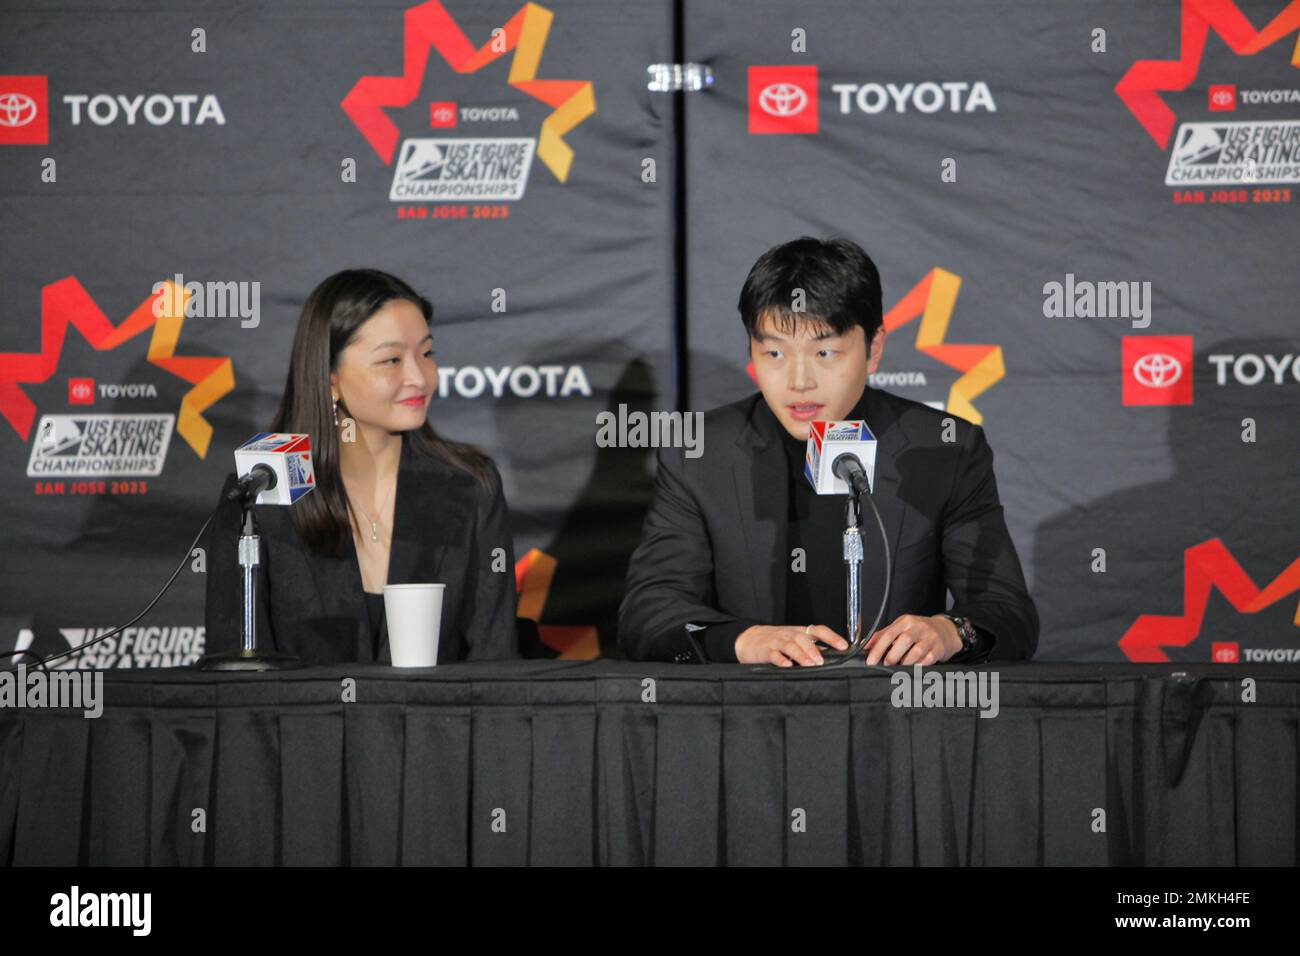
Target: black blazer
(713,546)
(445,529)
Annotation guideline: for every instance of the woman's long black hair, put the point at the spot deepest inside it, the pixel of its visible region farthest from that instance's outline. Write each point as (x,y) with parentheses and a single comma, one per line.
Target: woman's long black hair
(330,317)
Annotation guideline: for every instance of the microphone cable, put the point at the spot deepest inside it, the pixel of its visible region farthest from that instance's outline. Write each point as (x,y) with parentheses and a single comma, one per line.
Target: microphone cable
(44,662)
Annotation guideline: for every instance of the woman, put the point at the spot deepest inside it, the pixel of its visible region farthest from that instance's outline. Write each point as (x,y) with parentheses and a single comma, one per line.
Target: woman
(394,503)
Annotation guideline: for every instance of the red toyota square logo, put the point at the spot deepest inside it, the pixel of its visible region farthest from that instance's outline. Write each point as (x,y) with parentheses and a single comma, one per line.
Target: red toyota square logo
(1157,370)
(81,391)
(1225,653)
(783,99)
(24,114)
(442,115)
(1223,98)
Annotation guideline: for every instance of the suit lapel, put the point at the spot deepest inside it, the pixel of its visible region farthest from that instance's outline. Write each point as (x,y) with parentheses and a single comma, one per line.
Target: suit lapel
(887,485)
(762,482)
(422,512)
(415,547)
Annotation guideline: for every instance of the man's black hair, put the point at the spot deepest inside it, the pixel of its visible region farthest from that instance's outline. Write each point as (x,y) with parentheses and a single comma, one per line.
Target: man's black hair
(839,282)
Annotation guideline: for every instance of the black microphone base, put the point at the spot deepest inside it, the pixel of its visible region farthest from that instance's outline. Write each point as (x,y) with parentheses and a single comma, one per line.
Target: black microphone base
(832,656)
(248,661)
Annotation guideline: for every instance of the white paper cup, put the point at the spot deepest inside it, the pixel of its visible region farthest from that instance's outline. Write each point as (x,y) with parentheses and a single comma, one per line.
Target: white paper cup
(414,613)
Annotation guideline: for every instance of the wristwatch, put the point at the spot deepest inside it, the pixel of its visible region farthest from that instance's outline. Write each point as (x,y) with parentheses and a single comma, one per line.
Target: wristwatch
(694,637)
(965,630)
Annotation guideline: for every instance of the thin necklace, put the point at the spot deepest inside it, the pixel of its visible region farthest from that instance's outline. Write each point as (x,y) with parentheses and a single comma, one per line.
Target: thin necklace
(374,522)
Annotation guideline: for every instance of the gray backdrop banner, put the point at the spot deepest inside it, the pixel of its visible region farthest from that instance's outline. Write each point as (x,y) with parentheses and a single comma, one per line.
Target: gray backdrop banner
(270,160)
(1084,215)
(981,152)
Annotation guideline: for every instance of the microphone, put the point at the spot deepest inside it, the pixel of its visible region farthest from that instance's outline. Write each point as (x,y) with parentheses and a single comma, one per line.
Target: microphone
(841,458)
(260,478)
(848,469)
(273,469)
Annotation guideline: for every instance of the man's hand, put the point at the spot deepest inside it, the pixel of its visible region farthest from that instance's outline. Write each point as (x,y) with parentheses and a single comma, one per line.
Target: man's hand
(913,639)
(785,645)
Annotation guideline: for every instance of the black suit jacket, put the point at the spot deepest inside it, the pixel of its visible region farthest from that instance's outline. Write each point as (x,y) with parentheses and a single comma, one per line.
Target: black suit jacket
(445,529)
(713,548)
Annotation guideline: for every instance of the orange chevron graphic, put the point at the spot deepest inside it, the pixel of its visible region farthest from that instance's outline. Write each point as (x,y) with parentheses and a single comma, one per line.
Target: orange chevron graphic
(933,299)
(66,303)
(430,26)
(533,575)
(1141,86)
(1206,565)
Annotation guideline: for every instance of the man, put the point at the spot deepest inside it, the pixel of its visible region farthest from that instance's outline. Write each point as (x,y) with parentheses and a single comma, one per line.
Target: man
(738,546)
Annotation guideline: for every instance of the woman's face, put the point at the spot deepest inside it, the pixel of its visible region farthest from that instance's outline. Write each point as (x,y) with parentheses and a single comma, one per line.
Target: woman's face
(386,375)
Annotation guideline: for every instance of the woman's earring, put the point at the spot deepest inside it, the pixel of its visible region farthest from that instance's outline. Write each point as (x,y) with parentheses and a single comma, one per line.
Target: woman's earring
(336,413)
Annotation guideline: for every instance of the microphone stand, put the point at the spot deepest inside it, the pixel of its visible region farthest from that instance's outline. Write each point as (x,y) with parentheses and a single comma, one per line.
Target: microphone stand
(853,571)
(248,658)
(853,555)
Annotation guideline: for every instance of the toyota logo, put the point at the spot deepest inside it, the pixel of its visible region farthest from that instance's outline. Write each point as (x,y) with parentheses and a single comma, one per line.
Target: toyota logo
(16,109)
(783,99)
(1157,370)
(1222,98)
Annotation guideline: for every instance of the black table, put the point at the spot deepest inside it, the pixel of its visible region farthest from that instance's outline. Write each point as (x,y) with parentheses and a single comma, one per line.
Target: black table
(611,762)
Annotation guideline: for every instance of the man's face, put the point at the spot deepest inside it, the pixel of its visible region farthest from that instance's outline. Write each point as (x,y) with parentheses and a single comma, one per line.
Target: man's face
(811,374)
